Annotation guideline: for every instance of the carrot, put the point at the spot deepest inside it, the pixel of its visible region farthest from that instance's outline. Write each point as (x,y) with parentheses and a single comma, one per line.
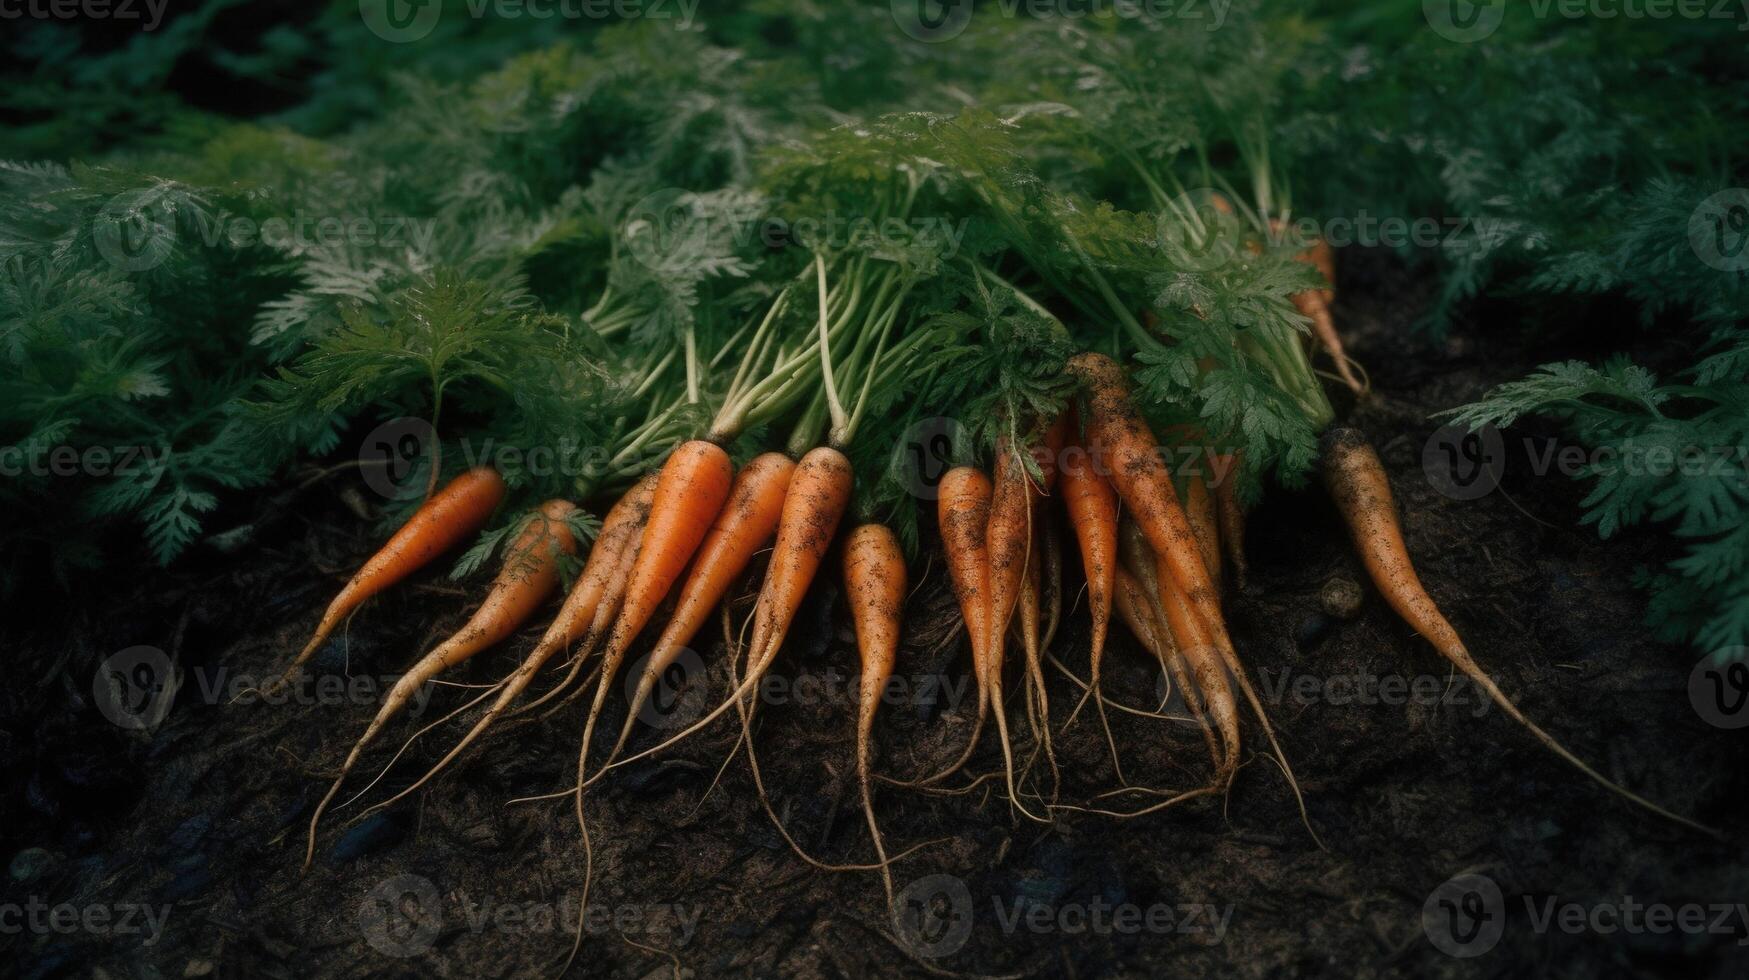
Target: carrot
(1011,519)
(1140,564)
(1314,304)
(963,514)
(1199,509)
(1230,513)
(529,575)
(874,580)
(815,502)
(1007,539)
(1038,702)
(746,523)
(595,588)
(1092,507)
(1142,613)
(690,493)
(1127,452)
(1357,483)
(455,513)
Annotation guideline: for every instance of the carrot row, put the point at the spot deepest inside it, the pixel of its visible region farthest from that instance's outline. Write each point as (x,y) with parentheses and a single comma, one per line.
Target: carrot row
(695,526)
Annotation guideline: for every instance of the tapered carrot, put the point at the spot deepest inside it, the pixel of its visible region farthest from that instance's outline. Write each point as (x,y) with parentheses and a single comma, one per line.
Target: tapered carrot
(1199,509)
(874,581)
(1362,492)
(1128,454)
(451,516)
(694,485)
(1143,569)
(743,527)
(1230,513)
(1013,497)
(595,587)
(818,492)
(529,575)
(1038,701)
(1092,507)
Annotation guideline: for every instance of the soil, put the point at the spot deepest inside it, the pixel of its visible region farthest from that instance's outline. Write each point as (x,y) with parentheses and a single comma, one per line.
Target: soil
(202,818)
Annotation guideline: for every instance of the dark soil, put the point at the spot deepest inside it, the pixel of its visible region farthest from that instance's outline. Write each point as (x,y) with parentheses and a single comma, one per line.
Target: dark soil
(205,814)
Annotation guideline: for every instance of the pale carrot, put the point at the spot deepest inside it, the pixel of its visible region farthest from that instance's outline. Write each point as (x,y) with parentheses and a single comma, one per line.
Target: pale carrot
(1362,492)
(529,576)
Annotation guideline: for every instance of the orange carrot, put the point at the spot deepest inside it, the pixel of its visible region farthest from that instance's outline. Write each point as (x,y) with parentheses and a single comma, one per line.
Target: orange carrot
(818,492)
(690,493)
(874,581)
(595,587)
(1127,452)
(1092,507)
(1199,509)
(1357,482)
(746,523)
(452,515)
(529,575)
(1230,513)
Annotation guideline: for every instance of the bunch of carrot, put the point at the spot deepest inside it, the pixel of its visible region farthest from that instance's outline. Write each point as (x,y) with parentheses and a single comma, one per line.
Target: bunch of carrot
(824,351)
